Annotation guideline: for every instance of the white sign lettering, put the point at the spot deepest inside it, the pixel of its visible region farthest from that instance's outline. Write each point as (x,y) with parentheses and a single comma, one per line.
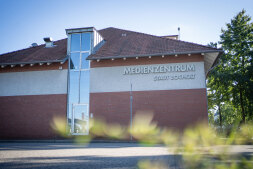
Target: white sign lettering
(163,69)
(159,69)
(175,77)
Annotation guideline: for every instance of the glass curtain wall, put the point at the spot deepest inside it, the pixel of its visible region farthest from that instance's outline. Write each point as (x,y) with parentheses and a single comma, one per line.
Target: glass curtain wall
(79,72)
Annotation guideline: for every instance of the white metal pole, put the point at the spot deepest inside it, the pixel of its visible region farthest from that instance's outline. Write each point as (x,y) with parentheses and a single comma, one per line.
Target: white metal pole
(131,111)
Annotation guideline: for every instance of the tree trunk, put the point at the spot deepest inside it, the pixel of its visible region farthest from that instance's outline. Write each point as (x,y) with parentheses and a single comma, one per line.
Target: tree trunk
(241,94)
(219,109)
(242,106)
(220,116)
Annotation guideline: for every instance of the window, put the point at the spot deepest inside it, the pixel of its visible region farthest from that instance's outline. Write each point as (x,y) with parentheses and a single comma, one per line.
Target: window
(86,41)
(75,61)
(85,64)
(75,42)
(79,82)
(80,42)
(84,86)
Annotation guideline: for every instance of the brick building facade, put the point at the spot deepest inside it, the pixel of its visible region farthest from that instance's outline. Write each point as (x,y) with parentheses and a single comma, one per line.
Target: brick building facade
(92,74)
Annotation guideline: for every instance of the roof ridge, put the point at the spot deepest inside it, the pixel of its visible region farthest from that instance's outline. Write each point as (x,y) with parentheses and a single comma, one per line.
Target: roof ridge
(161,37)
(131,31)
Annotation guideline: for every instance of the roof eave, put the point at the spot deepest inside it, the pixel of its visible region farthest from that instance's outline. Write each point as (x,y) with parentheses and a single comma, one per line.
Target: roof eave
(214,63)
(35,62)
(156,54)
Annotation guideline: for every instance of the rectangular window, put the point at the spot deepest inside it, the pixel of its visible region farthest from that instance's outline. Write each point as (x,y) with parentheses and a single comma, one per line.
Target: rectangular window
(85,63)
(86,41)
(84,86)
(75,42)
(73,91)
(81,119)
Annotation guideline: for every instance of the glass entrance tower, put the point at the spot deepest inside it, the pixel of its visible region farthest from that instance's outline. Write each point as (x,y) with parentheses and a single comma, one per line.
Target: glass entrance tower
(81,43)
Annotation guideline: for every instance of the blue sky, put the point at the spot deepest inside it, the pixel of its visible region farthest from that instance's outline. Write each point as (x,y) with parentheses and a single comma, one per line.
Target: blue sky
(23,22)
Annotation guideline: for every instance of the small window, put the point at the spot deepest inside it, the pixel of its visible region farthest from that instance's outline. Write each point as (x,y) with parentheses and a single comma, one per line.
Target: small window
(85,63)
(75,42)
(86,41)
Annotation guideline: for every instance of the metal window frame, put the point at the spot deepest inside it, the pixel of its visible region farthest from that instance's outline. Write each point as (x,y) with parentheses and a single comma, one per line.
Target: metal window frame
(73,118)
(80,39)
(71,114)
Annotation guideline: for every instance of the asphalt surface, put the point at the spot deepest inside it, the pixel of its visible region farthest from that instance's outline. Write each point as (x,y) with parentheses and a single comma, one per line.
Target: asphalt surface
(68,155)
(92,156)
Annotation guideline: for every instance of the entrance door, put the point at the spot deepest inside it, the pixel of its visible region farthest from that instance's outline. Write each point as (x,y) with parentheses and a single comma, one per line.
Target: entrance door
(80,119)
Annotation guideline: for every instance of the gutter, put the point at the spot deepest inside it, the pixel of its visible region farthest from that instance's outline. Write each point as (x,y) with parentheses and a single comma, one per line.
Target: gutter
(36,62)
(157,54)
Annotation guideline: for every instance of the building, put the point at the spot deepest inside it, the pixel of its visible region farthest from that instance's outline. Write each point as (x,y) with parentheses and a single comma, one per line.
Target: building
(94,74)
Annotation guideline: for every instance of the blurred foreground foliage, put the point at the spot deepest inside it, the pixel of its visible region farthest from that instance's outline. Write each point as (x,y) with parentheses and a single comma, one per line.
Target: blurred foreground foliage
(200,146)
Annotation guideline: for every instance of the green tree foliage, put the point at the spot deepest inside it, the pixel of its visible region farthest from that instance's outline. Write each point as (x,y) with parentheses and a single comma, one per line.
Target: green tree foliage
(230,83)
(218,94)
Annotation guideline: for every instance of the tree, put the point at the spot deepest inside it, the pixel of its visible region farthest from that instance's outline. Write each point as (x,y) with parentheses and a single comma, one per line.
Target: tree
(237,43)
(230,83)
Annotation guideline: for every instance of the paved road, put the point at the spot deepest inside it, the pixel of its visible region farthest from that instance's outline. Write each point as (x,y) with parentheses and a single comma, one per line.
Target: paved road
(92,156)
(95,155)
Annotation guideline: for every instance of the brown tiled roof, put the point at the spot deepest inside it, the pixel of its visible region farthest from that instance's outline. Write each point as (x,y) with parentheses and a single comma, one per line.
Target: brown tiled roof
(123,43)
(118,43)
(37,54)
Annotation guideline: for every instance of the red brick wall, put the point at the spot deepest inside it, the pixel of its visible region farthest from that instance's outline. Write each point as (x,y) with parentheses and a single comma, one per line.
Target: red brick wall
(171,108)
(29,117)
